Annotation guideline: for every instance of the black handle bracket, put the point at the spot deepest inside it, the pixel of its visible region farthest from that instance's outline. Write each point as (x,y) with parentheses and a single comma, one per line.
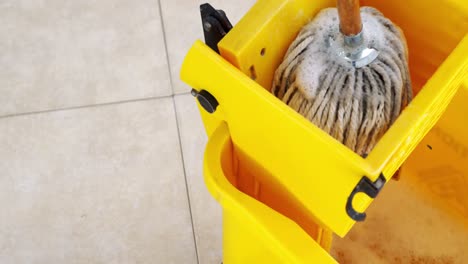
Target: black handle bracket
(215,25)
(371,189)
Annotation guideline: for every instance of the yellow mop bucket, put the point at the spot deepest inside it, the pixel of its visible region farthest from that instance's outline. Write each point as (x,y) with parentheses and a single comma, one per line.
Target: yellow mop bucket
(284,184)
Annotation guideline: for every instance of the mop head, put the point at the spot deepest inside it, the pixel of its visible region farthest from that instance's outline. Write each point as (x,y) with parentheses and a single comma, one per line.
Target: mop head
(354,105)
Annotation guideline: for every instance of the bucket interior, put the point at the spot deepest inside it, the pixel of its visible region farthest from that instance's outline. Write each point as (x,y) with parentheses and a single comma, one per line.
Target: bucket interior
(405,225)
(423,218)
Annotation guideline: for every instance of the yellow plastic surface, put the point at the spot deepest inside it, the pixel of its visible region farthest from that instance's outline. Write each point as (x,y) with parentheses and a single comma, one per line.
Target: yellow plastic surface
(318,171)
(253,232)
(280,154)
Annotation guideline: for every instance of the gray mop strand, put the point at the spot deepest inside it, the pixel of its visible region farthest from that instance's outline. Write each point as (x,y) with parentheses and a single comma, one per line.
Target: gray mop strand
(356,106)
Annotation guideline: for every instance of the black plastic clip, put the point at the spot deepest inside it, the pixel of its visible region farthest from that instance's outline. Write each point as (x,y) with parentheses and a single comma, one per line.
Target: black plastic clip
(215,25)
(368,187)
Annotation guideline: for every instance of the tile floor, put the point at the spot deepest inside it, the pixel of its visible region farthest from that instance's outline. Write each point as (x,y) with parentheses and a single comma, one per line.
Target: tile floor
(101,144)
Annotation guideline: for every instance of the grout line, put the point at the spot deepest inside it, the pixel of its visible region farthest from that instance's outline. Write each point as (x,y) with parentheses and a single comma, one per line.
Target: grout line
(178,129)
(185,178)
(163,26)
(88,106)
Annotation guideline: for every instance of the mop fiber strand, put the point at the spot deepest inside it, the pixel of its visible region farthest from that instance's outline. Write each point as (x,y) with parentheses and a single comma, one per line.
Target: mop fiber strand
(356,106)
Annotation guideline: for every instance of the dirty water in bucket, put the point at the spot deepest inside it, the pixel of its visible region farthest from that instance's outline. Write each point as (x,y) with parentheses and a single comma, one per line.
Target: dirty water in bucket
(404,226)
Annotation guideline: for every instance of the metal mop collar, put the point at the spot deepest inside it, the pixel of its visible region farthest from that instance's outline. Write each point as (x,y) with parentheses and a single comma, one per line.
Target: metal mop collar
(353,86)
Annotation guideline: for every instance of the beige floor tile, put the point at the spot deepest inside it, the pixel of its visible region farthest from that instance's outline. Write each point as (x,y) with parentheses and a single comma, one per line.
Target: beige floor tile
(94,185)
(182,24)
(205,210)
(59,54)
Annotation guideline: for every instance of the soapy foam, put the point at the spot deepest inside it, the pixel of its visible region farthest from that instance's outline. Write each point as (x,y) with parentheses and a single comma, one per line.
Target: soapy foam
(325,26)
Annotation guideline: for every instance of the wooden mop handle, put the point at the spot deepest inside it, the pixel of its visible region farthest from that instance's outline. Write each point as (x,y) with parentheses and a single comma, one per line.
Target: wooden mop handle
(350,17)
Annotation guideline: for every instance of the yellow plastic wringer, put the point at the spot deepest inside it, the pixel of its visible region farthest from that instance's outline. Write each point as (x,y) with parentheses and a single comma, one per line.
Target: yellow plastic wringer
(285,185)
